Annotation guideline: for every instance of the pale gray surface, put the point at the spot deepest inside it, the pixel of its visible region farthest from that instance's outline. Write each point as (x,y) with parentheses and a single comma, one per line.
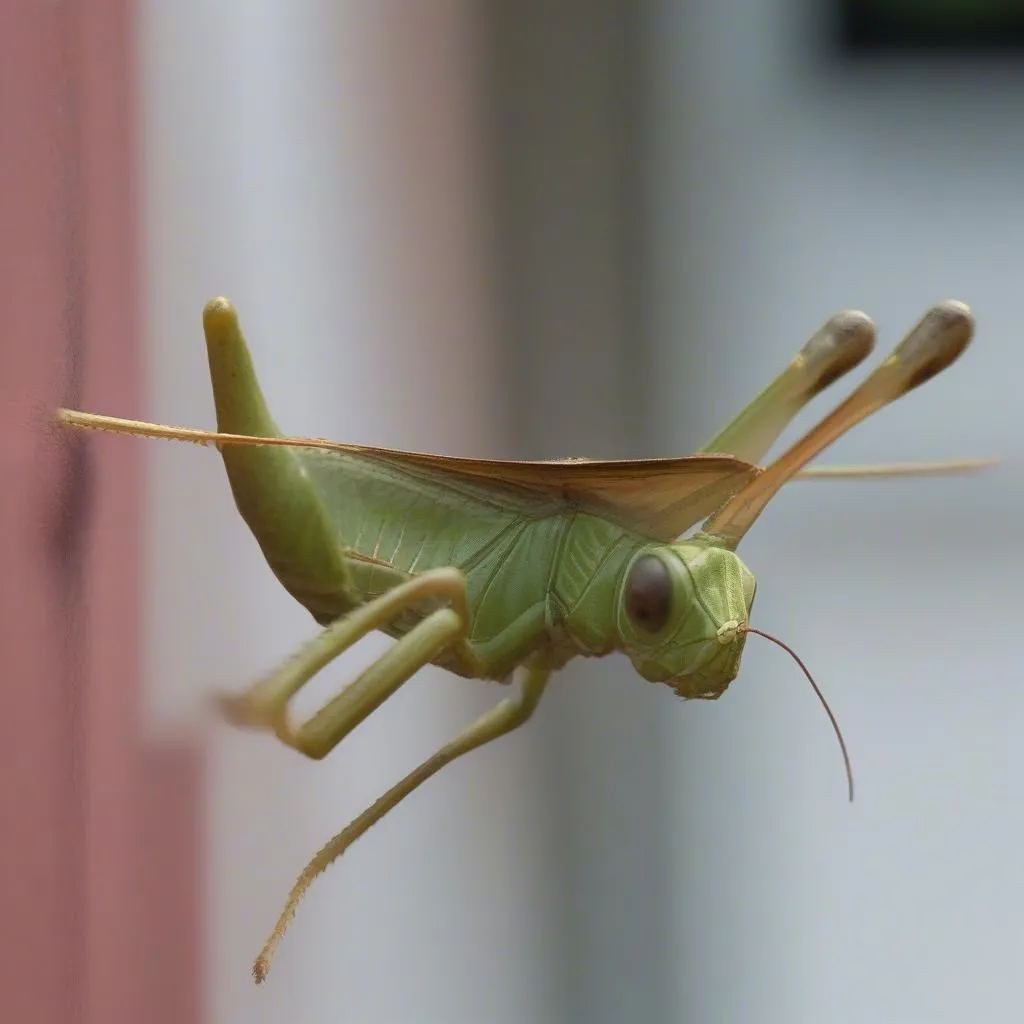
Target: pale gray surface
(625,854)
(785,192)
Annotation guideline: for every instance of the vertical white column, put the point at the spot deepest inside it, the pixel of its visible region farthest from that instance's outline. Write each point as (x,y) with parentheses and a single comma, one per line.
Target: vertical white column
(321,164)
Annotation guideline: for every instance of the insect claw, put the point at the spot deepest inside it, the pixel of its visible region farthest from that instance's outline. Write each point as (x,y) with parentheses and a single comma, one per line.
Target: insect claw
(241,712)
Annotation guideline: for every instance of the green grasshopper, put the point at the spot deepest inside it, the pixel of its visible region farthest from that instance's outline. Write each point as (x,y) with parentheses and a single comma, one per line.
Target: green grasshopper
(491,568)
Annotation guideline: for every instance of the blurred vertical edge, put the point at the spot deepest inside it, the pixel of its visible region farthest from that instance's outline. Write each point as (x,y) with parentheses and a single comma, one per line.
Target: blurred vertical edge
(100,852)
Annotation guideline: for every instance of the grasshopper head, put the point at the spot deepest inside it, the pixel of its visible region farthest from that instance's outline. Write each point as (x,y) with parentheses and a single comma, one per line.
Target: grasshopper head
(682,613)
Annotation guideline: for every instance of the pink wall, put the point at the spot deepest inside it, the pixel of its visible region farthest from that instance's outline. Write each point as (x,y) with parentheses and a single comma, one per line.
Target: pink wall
(100,845)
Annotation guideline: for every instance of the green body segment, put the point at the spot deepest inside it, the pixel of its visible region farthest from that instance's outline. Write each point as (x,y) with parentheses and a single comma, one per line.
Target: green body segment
(541,577)
(521,555)
(538,578)
(272,486)
(340,529)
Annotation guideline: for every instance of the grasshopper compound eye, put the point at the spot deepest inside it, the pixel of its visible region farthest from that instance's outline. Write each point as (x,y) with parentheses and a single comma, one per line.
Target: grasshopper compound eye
(649,594)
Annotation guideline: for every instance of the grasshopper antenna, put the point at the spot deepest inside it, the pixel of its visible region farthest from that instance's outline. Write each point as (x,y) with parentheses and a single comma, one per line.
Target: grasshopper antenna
(821,697)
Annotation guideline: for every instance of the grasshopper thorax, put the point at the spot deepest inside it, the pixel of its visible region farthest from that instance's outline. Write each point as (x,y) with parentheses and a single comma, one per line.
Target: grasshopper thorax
(682,613)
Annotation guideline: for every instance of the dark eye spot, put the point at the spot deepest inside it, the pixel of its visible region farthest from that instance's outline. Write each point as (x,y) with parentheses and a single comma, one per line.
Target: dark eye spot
(649,594)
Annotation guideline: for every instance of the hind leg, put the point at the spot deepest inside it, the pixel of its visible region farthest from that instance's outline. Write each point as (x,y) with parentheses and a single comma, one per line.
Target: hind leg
(843,342)
(265,705)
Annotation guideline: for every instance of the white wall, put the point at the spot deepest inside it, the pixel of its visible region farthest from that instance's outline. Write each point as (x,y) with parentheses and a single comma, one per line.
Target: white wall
(320,164)
(787,189)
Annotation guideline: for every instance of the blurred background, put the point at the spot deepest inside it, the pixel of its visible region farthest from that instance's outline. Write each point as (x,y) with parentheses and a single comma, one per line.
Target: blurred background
(513,230)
